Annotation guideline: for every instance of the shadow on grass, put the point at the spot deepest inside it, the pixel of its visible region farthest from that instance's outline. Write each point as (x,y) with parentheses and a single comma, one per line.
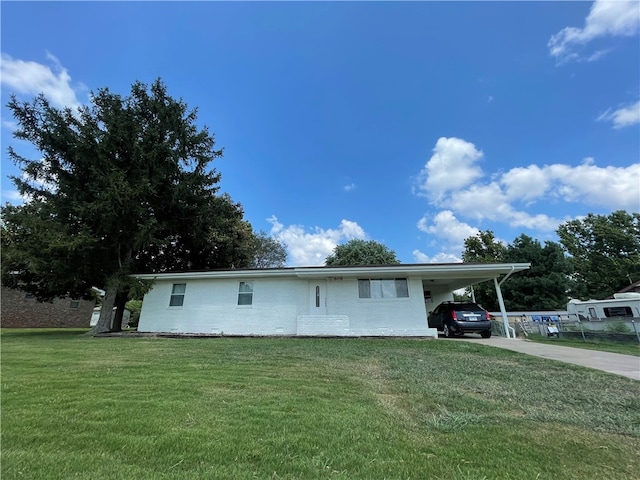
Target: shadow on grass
(42,332)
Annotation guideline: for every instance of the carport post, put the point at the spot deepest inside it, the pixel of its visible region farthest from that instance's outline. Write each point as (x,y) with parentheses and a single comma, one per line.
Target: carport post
(503,310)
(505,320)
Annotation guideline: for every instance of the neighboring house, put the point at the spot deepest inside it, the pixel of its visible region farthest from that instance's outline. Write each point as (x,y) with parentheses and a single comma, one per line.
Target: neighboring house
(22,310)
(387,300)
(632,288)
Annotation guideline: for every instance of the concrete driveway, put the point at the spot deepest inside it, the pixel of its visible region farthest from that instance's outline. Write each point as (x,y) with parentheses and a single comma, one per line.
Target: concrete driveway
(625,365)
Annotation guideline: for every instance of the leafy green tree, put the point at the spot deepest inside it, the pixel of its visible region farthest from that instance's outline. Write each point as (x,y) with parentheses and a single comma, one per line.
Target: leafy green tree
(268,252)
(543,287)
(546,284)
(122,185)
(484,248)
(361,252)
(605,251)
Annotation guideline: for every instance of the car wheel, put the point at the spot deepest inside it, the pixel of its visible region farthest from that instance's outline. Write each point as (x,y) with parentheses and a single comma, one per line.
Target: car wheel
(486,334)
(447,332)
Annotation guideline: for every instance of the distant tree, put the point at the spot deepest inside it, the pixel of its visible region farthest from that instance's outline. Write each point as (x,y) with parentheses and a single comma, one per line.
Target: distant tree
(122,185)
(546,284)
(605,252)
(465,297)
(361,252)
(484,248)
(268,252)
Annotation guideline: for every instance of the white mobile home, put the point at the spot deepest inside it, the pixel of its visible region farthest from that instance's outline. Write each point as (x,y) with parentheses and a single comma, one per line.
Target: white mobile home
(623,306)
(388,300)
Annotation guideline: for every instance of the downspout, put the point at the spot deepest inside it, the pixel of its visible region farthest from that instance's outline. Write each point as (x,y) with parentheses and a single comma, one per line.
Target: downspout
(503,310)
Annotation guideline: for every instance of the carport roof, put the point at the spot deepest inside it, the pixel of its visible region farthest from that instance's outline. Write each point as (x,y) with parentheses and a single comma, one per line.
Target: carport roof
(449,275)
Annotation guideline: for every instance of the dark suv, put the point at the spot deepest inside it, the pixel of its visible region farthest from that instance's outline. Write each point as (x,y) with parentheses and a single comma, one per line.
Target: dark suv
(458,318)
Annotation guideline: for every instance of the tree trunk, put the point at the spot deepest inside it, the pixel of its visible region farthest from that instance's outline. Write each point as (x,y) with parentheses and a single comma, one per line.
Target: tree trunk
(104,322)
(120,302)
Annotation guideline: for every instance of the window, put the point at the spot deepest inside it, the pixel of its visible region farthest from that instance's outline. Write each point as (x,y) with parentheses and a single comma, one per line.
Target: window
(383,288)
(75,304)
(618,312)
(317,296)
(245,293)
(177,294)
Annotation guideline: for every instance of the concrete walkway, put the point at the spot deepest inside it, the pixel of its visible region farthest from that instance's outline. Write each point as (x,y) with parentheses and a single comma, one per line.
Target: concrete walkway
(625,365)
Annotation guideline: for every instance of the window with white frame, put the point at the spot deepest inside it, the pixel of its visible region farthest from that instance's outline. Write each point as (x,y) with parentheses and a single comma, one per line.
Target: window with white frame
(245,293)
(383,288)
(177,294)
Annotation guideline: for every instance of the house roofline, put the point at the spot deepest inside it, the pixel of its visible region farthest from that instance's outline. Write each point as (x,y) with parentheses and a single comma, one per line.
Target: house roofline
(433,270)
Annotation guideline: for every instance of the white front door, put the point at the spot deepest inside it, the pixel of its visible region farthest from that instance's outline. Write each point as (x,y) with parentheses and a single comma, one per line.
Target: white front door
(318,297)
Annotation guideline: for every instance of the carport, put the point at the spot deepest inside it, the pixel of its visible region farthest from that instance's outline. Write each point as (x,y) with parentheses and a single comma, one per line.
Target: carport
(455,276)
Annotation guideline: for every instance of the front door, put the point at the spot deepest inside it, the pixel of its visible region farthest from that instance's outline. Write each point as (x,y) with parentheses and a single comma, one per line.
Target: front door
(318,297)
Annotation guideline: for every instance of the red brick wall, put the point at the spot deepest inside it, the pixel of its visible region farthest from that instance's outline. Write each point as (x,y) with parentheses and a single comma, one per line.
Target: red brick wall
(18,311)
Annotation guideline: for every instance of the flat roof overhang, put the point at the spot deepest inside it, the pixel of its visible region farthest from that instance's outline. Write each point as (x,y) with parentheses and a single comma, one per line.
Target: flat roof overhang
(449,275)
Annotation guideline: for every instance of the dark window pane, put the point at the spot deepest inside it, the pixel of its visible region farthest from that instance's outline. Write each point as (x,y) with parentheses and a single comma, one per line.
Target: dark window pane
(364,289)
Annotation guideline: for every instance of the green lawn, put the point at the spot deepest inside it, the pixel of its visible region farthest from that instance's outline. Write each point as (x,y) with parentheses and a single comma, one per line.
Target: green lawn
(242,408)
(591,344)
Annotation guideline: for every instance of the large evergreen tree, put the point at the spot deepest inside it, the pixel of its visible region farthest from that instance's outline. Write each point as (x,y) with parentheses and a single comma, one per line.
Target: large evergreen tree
(121,185)
(545,285)
(605,251)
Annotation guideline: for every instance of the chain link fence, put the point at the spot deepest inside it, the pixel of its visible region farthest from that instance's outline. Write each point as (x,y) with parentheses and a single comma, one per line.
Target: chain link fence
(624,330)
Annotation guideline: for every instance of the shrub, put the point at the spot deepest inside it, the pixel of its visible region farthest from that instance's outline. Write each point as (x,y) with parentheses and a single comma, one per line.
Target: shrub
(617,327)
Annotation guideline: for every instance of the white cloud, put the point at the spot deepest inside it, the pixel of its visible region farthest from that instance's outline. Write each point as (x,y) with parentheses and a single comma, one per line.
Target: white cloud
(438,258)
(349,187)
(308,248)
(612,187)
(525,183)
(446,233)
(512,196)
(451,167)
(32,78)
(13,196)
(619,18)
(11,125)
(446,226)
(623,117)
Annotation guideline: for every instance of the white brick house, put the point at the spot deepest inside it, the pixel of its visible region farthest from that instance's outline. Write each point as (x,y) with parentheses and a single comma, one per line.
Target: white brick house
(389,300)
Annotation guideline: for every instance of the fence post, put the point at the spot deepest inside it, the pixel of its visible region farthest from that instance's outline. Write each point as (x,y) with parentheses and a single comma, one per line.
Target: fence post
(582,331)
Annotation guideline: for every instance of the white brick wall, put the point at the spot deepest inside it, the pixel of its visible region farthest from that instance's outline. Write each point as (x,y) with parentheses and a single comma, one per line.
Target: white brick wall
(210,306)
(321,325)
(283,306)
(383,316)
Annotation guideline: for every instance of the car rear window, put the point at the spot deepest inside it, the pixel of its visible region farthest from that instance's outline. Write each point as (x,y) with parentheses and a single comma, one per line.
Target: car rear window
(467,307)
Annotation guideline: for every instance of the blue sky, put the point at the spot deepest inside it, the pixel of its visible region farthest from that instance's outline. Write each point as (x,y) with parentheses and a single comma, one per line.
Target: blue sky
(414,124)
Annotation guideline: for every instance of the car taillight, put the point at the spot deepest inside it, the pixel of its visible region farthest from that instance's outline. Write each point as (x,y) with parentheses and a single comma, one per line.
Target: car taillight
(487,314)
(453,315)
